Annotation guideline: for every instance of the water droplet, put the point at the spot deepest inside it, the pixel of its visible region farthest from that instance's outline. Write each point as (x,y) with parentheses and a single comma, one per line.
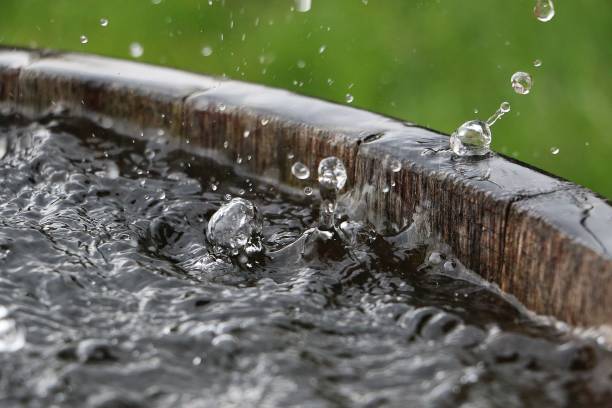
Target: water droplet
(537,63)
(221,107)
(290,155)
(301,64)
(554,150)
(84,39)
(332,174)
(308,191)
(435,258)
(303,5)
(225,144)
(104,22)
(385,189)
(395,165)
(521,82)
(136,50)
(246,134)
(300,170)
(236,225)
(473,138)
(449,266)
(322,49)
(207,51)
(544,10)
(349,98)
(504,107)
(12,337)
(196,361)
(264,121)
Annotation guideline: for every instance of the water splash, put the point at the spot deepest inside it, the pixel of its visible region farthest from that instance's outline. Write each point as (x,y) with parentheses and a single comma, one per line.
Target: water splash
(332,178)
(12,337)
(473,138)
(236,227)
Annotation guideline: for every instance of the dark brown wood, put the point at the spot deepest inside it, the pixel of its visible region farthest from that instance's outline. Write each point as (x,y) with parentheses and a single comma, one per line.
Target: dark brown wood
(542,239)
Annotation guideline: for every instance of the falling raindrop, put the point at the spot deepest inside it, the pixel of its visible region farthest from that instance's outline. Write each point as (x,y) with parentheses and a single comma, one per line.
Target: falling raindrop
(537,63)
(207,51)
(554,150)
(395,165)
(104,22)
(264,121)
(303,5)
(246,134)
(84,39)
(300,170)
(349,98)
(521,82)
(136,50)
(322,49)
(544,10)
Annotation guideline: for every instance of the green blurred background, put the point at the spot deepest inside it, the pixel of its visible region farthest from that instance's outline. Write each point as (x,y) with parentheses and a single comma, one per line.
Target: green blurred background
(433,62)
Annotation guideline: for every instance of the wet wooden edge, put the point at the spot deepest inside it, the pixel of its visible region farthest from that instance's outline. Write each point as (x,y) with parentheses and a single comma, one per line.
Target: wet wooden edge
(544,240)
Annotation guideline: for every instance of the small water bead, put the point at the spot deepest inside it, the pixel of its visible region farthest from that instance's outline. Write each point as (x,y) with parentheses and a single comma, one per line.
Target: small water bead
(395,165)
(264,121)
(300,171)
(136,50)
(473,138)
(521,82)
(504,107)
(104,22)
(332,173)
(235,225)
(544,10)
(290,156)
(385,189)
(322,49)
(537,63)
(554,150)
(308,191)
(349,98)
(12,337)
(246,134)
(207,51)
(83,39)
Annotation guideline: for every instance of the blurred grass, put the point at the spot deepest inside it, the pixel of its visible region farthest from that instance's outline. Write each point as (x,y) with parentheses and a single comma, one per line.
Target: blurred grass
(431,62)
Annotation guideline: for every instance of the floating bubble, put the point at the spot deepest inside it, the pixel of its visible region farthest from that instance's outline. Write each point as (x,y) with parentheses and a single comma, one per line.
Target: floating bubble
(332,174)
(207,51)
(83,39)
(136,50)
(104,22)
(300,170)
(12,337)
(235,226)
(521,82)
(544,10)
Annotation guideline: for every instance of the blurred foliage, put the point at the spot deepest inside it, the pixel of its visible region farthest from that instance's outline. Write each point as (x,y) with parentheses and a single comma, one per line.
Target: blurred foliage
(430,62)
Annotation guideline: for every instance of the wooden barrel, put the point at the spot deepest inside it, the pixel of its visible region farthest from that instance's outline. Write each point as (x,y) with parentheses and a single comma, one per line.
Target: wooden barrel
(543,239)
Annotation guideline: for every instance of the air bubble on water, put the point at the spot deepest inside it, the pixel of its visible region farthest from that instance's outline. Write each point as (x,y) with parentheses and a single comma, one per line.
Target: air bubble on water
(104,22)
(136,50)
(83,39)
(303,5)
(395,165)
(12,337)
(308,191)
(349,98)
(300,170)
(521,82)
(544,10)
(554,150)
(332,174)
(537,63)
(235,226)
(207,51)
